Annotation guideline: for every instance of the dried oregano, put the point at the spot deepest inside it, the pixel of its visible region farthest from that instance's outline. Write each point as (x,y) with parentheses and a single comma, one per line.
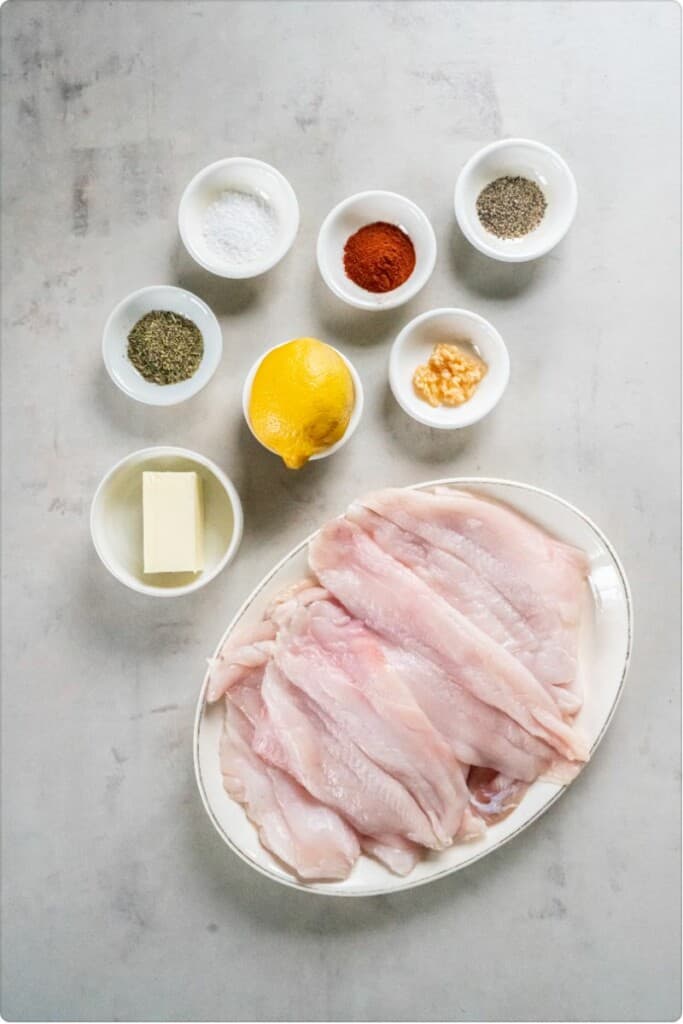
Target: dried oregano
(165,347)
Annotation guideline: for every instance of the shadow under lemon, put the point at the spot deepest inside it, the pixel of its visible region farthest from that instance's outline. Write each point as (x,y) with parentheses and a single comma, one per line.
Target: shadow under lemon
(274,494)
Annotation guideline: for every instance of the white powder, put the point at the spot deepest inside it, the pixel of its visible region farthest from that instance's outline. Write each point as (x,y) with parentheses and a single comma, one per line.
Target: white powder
(239,226)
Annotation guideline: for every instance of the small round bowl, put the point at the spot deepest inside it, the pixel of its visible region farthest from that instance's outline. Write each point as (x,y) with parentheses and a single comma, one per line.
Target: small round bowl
(242,174)
(414,345)
(527,159)
(355,415)
(365,208)
(116,520)
(124,317)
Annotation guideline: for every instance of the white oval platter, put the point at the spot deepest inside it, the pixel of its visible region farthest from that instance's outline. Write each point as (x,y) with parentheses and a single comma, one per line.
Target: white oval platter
(604,653)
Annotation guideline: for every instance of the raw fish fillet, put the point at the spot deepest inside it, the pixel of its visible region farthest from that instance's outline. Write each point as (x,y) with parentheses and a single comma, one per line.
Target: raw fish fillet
(475,597)
(399,855)
(295,736)
(253,646)
(376,588)
(339,664)
(478,733)
(406,693)
(473,826)
(306,835)
(537,579)
(240,654)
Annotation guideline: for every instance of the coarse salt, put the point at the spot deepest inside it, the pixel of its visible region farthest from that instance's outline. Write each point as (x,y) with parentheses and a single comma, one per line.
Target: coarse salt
(239,226)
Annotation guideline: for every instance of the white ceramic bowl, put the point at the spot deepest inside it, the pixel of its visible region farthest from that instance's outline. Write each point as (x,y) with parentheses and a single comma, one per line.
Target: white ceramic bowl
(116,520)
(365,208)
(355,415)
(242,174)
(527,159)
(414,345)
(124,317)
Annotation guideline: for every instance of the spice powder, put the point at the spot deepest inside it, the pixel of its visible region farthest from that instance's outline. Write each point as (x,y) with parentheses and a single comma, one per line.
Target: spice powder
(379,257)
(511,207)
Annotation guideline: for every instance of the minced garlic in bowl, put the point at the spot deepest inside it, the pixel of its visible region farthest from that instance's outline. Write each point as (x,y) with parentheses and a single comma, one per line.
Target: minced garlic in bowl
(450,377)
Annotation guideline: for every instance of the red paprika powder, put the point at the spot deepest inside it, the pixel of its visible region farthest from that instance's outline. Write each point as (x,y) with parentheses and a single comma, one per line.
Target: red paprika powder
(379,257)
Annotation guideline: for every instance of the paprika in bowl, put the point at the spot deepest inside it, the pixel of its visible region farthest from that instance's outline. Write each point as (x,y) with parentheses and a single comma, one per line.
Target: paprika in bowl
(376,250)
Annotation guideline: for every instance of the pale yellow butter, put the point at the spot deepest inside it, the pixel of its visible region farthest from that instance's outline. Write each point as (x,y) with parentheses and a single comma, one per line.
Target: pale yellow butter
(173,522)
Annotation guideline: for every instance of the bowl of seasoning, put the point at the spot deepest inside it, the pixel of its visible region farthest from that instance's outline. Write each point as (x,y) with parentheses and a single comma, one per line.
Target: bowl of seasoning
(238,217)
(448,368)
(376,250)
(515,200)
(161,345)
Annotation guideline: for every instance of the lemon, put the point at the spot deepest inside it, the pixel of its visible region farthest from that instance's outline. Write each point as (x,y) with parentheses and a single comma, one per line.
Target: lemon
(301,400)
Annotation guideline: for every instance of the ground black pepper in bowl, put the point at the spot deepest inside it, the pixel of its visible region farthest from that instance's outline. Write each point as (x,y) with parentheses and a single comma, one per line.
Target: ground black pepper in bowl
(165,347)
(511,207)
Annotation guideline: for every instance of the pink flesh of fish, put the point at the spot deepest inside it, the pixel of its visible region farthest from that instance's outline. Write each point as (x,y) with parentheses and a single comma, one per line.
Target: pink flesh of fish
(478,733)
(305,834)
(338,663)
(549,566)
(475,597)
(253,646)
(399,855)
(241,654)
(393,601)
(462,653)
(390,676)
(326,762)
(473,826)
(524,577)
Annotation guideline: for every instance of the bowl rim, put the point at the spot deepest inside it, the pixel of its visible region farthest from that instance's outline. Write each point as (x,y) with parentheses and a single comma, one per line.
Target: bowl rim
(258,267)
(464,419)
(377,302)
(492,249)
(356,415)
(228,487)
(193,385)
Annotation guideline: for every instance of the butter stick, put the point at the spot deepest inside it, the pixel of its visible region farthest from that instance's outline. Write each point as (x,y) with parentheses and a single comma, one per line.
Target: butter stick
(173,522)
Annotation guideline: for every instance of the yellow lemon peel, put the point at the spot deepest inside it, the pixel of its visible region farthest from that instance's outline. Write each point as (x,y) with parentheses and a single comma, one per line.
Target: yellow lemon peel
(301,400)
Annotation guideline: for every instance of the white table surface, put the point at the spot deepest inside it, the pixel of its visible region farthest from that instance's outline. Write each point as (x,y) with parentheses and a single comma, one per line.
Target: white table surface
(119,899)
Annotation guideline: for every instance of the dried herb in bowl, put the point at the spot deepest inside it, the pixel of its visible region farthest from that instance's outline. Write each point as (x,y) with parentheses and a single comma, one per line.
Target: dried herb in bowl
(165,347)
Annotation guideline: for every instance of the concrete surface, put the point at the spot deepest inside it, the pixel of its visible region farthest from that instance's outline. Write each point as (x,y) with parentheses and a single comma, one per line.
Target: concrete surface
(119,900)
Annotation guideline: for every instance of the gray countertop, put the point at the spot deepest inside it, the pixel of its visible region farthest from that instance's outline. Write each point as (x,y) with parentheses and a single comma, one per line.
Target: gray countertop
(120,901)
